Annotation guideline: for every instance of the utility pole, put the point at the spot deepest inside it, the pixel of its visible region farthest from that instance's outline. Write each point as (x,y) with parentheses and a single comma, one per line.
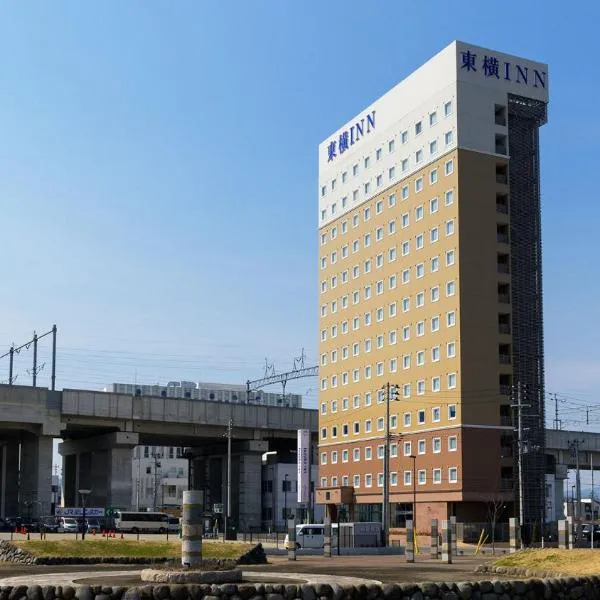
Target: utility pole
(557,421)
(228,507)
(520,449)
(157,465)
(390,391)
(34,372)
(574,447)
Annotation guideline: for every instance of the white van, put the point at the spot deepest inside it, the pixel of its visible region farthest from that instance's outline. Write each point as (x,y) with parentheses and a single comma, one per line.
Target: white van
(309,535)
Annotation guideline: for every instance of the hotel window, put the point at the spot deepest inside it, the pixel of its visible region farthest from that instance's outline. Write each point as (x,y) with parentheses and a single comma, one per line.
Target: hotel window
(323,262)
(406,361)
(421,412)
(404,137)
(449,197)
(323,335)
(432,118)
(367,162)
(323,408)
(355,170)
(436,414)
(435,324)
(367,319)
(379,315)
(379,345)
(392,200)
(367,266)
(344,456)
(434,235)
(334,381)
(333,233)
(435,354)
(404,193)
(345,353)
(450,288)
(368,399)
(407,477)
(420,392)
(368,450)
(451,319)
(450,258)
(432,150)
(356,481)
(323,433)
(450,227)
(344,326)
(368,480)
(405,274)
(420,328)
(379,479)
(345,251)
(392,337)
(379,234)
(334,281)
(418,127)
(406,333)
(345,378)
(334,331)
(422,477)
(367,240)
(435,385)
(323,239)
(367,430)
(355,323)
(405,248)
(433,175)
(323,214)
(380,426)
(379,262)
(448,138)
(392,309)
(452,475)
(420,299)
(449,167)
(452,411)
(451,381)
(420,241)
(355,375)
(420,270)
(323,190)
(405,220)
(378,153)
(344,176)
(345,429)
(356,402)
(435,293)
(367,187)
(334,457)
(406,390)
(333,209)
(379,368)
(393,365)
(392,278)
(368,345)
(391,173)
(355,246)
(433,205)
(421,447)
(367,214)
(393,478)
(452,443)
(419,156)
(447,109)
(407,418)
(355,297)
(323,458)
(379,207)
(405,304)
(451,350)
(420,358)
(392,227)
(407,448)
(355,349)
(355,196)
(435,264)
(368,372)
(391,146)
(379,180)
(323,481)
(437,476)
(334,306)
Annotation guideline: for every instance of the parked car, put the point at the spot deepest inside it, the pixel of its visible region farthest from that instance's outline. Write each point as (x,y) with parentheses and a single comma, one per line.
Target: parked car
(94,524)
(68,525)
(49,524)
(586,533)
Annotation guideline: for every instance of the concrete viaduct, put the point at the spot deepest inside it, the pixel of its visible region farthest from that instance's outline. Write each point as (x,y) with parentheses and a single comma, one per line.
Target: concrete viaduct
(99,431)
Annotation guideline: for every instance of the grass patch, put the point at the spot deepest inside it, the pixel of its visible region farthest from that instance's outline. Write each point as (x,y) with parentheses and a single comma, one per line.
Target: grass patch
(568,562)
(128,548)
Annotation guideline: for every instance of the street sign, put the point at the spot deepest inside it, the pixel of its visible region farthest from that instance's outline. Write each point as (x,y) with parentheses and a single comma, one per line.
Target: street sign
(90,511)
(218,508)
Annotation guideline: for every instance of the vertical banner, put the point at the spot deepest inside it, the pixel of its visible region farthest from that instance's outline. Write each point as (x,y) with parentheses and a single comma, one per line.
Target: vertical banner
(303,466)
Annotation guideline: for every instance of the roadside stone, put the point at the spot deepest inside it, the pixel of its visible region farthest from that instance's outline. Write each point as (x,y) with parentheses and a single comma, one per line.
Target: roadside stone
(19,592)
(161,592)
(194,590)
(417,596)
(391,591)
(308,592)
(132,594)
(247,591)
(430,589)
(465,589)
(34,592)
(274,596)
(117,593)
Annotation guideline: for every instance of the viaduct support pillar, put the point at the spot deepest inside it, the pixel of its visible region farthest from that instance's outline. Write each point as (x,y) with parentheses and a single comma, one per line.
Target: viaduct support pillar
(36,474)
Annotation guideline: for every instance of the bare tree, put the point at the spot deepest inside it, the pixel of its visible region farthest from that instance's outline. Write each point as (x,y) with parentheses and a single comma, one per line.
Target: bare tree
(495,507)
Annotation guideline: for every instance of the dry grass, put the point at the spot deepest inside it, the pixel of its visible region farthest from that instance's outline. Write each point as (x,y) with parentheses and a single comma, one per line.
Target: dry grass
(128,548)
(567,562)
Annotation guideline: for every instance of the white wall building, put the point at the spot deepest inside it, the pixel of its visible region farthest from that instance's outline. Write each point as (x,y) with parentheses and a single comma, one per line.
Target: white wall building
(201,390)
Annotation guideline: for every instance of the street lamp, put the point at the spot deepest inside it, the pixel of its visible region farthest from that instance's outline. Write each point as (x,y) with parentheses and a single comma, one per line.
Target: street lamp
(285,488)
(84,494)
(391,393)
(414,516)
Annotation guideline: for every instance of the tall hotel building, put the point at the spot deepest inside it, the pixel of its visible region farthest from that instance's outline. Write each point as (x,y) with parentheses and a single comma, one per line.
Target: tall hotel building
(430,279)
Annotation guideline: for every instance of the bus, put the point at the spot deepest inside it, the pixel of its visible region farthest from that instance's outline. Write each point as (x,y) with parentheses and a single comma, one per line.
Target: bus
(134,522)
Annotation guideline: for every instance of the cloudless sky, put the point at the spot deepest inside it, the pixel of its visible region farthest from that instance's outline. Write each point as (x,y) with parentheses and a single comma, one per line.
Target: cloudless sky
(158,175)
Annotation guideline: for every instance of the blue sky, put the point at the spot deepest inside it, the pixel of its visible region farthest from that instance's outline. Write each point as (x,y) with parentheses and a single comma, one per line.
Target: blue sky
(158,175)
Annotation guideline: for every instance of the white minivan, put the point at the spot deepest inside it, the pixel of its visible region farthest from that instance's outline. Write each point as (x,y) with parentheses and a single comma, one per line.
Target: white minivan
(309,535)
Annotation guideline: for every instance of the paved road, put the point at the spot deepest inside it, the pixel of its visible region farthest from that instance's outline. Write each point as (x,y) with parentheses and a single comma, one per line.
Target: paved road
(385,569)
